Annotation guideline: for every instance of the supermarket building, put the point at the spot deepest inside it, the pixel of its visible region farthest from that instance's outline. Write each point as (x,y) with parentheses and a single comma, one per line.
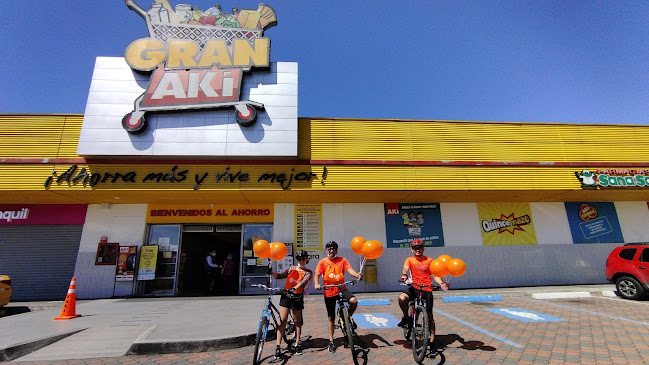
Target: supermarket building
(133,211)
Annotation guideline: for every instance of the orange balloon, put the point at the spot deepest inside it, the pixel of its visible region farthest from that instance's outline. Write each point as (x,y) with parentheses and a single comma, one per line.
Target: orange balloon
(357,245)
(261,248)
(456,267)
(372,249)
(445,258)
(438,268)
(277,251)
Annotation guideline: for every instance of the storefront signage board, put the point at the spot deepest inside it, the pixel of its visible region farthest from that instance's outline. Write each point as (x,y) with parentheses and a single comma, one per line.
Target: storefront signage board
(505,224)
(614,178)
(30,214)
(205,213)
(407,221)
(593,222)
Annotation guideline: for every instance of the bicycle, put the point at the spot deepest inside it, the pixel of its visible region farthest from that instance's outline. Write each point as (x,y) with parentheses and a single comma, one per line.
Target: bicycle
(269,312)
(417,311)
(343,320)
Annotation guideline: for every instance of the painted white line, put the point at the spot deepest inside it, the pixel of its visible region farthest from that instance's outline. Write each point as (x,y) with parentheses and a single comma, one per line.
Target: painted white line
(591,312)
(578,294)
(624,300)
(609,293)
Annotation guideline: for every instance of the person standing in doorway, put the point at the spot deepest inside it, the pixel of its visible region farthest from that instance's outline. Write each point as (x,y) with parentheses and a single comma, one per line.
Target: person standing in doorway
(228,272)
(210,269)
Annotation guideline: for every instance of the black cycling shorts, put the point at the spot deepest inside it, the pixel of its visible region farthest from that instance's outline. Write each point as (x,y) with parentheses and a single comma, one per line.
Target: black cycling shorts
(426,295)
(292,301)
(330,302)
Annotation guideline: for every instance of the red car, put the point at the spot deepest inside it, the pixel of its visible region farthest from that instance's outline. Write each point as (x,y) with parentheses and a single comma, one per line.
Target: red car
(628,267)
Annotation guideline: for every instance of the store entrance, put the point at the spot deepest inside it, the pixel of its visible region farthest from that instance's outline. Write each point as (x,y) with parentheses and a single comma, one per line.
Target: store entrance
(197,241)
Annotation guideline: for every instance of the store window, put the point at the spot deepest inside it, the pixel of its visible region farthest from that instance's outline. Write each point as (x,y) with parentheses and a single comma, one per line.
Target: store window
(253,269)
(167,238)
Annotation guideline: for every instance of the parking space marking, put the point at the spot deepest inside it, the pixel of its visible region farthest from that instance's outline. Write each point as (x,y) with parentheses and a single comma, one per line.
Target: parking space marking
(623,300)
(480,329)
(524,315)
(585,311)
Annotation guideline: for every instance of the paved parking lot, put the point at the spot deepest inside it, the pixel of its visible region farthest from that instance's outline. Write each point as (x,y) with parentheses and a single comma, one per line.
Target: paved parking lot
(514,330)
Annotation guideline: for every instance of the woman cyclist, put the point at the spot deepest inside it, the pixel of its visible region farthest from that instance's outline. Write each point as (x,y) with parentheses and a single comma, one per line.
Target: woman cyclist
(292,299)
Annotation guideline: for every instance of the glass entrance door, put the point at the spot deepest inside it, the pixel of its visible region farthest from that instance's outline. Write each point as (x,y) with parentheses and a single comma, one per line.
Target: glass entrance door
(253,269)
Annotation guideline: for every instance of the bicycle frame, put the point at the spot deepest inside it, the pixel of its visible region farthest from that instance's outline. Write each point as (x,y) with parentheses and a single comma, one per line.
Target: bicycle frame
(269,312)
(341,304)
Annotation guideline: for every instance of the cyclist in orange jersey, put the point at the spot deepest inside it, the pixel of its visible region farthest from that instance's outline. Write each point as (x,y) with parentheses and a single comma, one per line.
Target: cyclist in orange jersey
(297,278)
(419,267)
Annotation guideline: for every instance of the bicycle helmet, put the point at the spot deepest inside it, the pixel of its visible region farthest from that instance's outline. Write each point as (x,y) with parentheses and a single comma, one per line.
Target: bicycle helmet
(301,255)
(416,242)
(333,244)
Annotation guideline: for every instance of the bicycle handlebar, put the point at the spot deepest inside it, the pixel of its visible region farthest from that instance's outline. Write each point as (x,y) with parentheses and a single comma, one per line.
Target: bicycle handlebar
(421,287)
(266,288)
(350,282)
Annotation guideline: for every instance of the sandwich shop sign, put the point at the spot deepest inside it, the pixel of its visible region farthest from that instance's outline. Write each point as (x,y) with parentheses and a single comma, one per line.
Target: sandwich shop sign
(197,59)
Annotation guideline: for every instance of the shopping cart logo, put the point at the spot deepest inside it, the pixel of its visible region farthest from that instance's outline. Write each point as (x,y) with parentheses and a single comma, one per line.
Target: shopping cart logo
(197,59)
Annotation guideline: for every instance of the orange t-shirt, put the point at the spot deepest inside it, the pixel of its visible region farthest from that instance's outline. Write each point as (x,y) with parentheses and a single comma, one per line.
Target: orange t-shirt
(420,269)
(333,272)
(295,276)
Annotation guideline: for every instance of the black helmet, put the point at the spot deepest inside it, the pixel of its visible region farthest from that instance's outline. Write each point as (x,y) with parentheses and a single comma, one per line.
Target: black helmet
(333,244)
(301,255)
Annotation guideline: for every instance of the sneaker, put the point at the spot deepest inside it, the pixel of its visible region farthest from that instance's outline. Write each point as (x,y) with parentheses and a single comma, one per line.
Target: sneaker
(332,347)
(298,348)
(405,321)
(278,352)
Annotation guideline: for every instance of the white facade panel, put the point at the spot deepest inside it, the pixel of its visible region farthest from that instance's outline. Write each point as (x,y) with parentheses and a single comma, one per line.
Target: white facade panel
(115,87)
(551,223)
(124,224)
(634,220)
(461,224)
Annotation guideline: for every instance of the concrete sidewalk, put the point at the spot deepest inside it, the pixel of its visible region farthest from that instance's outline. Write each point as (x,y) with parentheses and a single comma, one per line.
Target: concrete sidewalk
(115,327)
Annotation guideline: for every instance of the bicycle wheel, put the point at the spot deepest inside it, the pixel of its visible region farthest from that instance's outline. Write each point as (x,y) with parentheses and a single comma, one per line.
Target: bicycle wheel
(262,330)
(420,334)
(349,330)
(407,329)
(289,330)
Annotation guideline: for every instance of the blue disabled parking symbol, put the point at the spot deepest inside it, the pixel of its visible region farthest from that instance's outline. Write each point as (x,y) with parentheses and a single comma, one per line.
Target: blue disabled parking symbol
(375,320)
(524,315)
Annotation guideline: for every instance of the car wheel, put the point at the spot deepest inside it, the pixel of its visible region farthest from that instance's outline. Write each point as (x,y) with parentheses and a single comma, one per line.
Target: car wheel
(629,288)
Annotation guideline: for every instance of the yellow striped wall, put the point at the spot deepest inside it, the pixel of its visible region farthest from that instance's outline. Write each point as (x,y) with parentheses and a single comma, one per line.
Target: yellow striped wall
(39,135)
(387,140)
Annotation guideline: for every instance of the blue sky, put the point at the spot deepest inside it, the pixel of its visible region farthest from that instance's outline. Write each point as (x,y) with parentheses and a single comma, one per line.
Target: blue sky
(517,61)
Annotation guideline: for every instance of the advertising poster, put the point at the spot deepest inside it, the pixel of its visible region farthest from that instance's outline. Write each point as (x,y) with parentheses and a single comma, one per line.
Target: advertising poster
(126,263)
(308,226)
(148,260)
(506,224)
(407,221)
(595,222)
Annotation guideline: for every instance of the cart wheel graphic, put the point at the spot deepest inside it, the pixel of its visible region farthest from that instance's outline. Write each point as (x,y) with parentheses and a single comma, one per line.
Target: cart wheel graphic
(249,119)
(133,126)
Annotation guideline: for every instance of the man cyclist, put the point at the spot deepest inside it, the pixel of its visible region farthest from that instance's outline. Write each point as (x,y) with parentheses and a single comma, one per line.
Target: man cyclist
(419,267)
(292,299)
(332,269)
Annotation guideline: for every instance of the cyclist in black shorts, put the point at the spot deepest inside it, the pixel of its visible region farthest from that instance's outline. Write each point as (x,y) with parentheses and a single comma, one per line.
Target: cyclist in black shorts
(292,299)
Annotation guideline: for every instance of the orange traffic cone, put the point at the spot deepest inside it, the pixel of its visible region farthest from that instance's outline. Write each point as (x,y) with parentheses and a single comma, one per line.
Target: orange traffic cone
(69,306)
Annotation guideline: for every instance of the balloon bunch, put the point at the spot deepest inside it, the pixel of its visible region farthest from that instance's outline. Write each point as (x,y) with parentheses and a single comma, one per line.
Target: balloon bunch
(274,250)
(368,249)
(445,265)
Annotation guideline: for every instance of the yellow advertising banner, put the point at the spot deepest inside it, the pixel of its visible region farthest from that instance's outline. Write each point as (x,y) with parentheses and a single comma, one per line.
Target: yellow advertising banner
(206,213)
(506,224)
(148,260)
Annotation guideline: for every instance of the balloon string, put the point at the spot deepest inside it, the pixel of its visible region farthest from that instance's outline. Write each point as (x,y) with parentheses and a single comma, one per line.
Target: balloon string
(362,264)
